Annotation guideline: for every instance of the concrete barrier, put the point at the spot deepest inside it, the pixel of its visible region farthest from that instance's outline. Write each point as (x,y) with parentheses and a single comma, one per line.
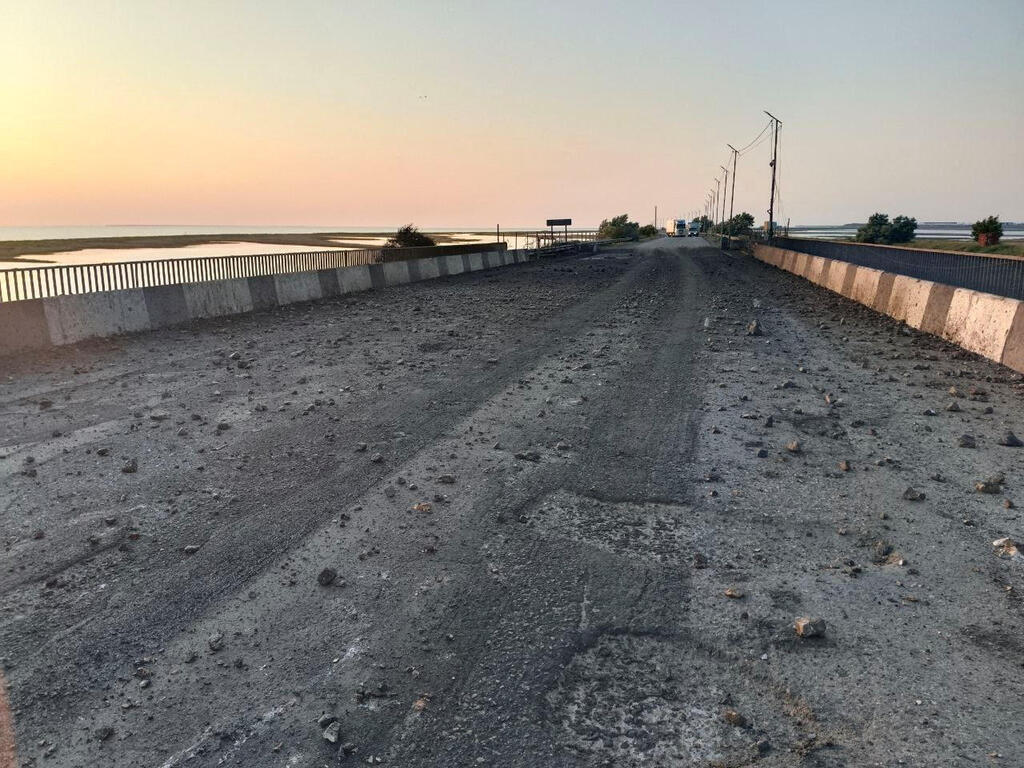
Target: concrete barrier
(165,305)
(1013,349)
(396,273)
(212,299)
(865,285)
(455,263)
(837,276)
(264,293)
(297,287)
(428,268)
(23,325)
(88,315)
(329,285)
(354,279)
(989,325)
(908,299)
(817,267)
(62,320)
(980,322)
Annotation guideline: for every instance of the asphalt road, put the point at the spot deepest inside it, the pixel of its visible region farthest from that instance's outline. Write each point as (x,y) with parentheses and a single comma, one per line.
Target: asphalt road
(491,520)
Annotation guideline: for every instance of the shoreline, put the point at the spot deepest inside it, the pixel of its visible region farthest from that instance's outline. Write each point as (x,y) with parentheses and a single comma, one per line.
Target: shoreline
(16,250)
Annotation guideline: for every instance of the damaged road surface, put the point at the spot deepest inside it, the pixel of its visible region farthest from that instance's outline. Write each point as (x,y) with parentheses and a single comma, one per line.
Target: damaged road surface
(583,512)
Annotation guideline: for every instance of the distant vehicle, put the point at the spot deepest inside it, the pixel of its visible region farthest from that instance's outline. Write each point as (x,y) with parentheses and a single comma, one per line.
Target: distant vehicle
(694,229)
(676,228)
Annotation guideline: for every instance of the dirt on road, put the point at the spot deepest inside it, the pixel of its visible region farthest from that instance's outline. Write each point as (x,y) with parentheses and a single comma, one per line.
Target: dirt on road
(569,513)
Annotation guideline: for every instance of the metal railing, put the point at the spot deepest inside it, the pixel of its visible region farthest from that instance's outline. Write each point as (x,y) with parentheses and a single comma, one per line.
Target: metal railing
(61,280)
(533,239)
(1000,275)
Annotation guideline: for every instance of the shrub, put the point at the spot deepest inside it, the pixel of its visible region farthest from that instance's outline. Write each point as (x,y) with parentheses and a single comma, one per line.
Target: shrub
(619,228)
(880,230)
(740,224)
(409,237)
(990,226)
(648,230)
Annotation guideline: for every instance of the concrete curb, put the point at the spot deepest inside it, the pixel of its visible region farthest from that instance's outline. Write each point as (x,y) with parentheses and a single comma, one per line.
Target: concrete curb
(992,326)
(40,323)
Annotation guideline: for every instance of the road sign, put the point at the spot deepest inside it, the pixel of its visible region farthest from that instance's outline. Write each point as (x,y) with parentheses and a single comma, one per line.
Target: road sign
(559,222)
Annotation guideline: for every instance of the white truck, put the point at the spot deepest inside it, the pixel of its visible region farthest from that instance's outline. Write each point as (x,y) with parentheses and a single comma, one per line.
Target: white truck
(676,228)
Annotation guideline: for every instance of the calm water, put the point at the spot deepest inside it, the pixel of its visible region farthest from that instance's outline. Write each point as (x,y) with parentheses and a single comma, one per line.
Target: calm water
(241,248)
(64,233)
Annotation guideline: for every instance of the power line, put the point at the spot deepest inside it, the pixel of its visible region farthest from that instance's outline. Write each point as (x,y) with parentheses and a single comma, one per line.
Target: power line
(715,201)
(752,147)
(751,144)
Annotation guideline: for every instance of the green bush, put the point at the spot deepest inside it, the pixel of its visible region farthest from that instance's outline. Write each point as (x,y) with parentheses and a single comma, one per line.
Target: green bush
(619,228)
(738,225)
(409,237)
(880,230)
(648,230)
(989,226)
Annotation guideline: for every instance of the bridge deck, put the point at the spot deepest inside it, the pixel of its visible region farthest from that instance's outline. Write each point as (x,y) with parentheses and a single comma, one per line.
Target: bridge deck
(492,519)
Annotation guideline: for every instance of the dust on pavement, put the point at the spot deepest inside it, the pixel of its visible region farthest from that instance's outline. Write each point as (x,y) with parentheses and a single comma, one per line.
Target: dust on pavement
(559,514)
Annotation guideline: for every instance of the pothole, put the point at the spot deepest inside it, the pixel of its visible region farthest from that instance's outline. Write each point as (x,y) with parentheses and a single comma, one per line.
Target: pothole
(654,532)
(645,701)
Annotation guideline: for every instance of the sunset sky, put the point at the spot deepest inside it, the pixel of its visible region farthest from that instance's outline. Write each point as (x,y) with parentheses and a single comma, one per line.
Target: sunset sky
(475,113)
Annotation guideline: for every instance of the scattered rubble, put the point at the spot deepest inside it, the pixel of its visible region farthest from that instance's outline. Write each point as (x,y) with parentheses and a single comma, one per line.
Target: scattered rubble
(806,626)
(992,484)
(332,732)
(734,718)
(1006,547)
(1010,440)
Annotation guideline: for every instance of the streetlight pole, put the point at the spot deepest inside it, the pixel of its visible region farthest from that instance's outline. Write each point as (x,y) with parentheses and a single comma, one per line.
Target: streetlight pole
(718,185)
(732,198)
(726,170)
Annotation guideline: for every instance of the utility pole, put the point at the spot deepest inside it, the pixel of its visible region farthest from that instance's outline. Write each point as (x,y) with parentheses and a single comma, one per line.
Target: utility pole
(776,124)
(714,215)
(655,217)
(732,198)
(726,170)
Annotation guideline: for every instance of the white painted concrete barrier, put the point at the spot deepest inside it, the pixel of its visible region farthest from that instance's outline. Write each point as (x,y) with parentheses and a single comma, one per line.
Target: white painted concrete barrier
(68,319)
(991,326)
